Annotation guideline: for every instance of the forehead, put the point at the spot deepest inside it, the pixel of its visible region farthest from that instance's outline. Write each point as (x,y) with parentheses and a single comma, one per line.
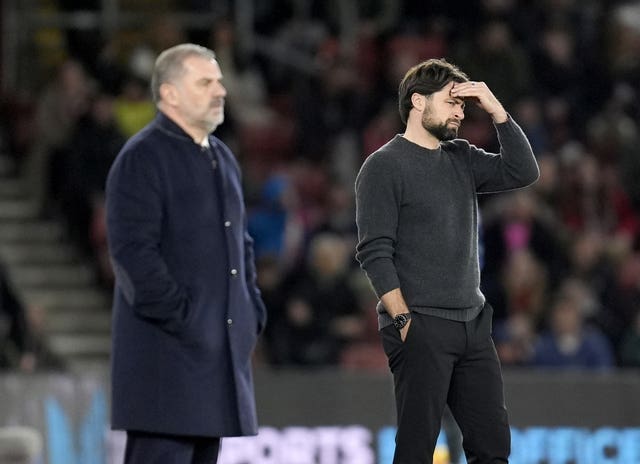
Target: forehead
(196,66)
(444,92)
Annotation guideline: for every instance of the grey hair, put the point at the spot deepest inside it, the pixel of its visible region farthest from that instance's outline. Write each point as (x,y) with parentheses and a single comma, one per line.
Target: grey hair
(168,65)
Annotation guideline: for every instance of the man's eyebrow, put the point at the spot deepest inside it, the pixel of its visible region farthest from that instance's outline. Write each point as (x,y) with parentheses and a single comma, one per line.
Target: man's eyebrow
(208,79)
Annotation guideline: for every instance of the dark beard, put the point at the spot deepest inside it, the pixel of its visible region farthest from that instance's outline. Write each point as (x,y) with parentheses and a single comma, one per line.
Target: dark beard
(440,131)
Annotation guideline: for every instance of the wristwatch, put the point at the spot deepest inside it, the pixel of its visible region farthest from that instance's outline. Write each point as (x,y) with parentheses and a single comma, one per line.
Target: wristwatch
(401,320)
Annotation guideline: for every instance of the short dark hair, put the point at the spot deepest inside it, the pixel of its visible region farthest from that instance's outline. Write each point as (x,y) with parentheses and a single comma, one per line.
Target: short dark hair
(168,65)
(426,78)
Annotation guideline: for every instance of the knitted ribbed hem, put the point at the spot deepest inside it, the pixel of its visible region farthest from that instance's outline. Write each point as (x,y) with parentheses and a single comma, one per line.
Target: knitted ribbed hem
(461,315)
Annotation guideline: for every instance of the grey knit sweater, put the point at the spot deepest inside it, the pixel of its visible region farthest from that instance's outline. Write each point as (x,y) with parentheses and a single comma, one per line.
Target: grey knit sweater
(417,218)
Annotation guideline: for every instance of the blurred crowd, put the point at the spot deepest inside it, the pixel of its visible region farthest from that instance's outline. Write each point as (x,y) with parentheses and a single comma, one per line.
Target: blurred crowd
(316,94)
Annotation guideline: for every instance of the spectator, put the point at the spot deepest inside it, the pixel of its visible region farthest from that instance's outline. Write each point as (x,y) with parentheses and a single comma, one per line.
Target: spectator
(570,342)
(164,31)
(623,296)
(133,108)
(273,220)
(22,343)
(592,198)
(321,312)
(494,57)
(63,103)
(523,256)
(528,111)
(514,338)
(247,96)
(270,280)
(630,345)
(526,284)
(15,336)
(589,261)
(613,135)
(339,214)
(85,168)
(547,188)
(522,224)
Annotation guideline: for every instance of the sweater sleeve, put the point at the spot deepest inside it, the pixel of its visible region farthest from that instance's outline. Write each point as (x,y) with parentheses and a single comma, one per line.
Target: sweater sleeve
(514,167)
(377,209)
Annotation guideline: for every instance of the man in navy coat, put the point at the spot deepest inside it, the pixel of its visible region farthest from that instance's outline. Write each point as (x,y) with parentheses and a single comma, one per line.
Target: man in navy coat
(187,311)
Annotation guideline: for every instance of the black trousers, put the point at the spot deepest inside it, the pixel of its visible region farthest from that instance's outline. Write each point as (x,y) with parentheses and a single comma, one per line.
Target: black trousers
(448,362)
(151,448)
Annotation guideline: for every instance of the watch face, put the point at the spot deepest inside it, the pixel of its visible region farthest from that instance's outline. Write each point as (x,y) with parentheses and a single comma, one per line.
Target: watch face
(400,321)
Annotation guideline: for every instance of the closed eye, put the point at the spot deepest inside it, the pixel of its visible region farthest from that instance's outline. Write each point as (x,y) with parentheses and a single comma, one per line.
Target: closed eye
(456,102)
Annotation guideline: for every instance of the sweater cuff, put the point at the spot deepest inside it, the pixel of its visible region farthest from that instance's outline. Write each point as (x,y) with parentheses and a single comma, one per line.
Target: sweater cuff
(383,276)
(508,122)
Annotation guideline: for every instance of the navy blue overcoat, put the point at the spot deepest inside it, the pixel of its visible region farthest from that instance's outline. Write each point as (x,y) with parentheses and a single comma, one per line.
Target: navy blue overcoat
(187,311)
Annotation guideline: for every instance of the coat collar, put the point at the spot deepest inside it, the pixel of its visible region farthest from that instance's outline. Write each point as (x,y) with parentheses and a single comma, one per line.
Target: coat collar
(168,125)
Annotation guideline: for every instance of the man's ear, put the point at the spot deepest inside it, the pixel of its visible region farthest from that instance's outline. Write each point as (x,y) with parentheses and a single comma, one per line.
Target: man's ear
(418,101)
(169,94)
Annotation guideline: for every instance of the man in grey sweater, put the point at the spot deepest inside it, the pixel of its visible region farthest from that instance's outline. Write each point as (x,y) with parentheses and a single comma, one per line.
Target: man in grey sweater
(417,217)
